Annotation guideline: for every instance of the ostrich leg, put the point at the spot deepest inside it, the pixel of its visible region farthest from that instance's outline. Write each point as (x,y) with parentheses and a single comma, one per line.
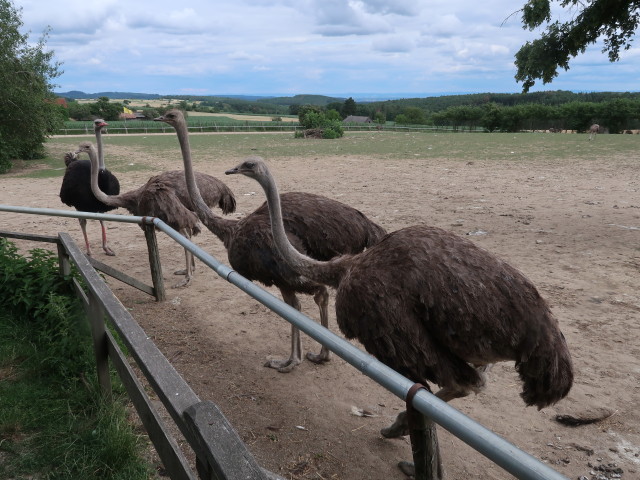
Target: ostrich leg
(83,227)
(295,359)
(105,247)
(322,300)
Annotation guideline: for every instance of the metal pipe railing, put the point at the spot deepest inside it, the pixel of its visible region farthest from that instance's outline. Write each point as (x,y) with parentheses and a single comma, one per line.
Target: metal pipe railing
(506,455)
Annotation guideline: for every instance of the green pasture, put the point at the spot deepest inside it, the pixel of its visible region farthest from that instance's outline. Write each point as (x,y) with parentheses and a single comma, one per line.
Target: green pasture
(424,146)
(202,121)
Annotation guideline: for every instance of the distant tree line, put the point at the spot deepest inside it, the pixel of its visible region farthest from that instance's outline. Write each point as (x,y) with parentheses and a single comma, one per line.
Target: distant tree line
(506,112)
(492,112)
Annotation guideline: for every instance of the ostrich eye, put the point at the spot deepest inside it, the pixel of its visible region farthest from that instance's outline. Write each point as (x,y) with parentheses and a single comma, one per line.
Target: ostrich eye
(249,164)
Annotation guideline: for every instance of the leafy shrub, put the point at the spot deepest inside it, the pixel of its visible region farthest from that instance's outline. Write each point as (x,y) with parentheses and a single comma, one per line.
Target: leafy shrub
(320,124)
(32,290)
(66,428)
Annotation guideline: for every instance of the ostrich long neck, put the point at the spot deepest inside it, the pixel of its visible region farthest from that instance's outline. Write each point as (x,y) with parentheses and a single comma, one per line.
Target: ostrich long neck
(100,150)
(220,227)
(125,200)
(328,273)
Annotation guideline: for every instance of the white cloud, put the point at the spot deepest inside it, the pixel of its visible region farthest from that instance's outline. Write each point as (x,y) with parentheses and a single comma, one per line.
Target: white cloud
(394,44)
(317,46)
(397,7)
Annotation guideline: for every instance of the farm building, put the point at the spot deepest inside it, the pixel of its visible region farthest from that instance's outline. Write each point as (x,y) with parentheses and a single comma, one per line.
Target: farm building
(357,119)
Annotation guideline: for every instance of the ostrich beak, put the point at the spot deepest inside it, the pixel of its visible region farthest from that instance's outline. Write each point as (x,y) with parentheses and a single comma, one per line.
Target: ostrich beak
(159,119)
(233,170)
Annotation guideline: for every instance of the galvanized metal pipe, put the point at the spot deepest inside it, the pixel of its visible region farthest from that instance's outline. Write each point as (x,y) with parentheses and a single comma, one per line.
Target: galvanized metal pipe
(51,212)
(506,455)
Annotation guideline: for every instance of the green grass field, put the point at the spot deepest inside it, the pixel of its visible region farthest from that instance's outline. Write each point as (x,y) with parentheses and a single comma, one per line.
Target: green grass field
(423,146)
(411,146)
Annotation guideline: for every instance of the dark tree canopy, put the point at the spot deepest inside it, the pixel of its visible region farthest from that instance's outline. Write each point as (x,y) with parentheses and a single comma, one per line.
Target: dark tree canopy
(615,21)
(28,112)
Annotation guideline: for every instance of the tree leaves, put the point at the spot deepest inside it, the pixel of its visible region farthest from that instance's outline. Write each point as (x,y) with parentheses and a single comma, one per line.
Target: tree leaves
(28,112)
(613,20)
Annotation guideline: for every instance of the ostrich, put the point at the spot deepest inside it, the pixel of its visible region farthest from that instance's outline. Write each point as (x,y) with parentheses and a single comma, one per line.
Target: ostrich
(319,226)
(75,190)
(593,131)
(165,196)
(434,306)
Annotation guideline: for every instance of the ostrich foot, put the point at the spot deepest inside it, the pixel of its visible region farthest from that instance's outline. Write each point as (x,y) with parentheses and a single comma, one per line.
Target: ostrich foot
(180,272)
(185,283)
(318,358)
(408,468)
(109,252)
(399,428)
(283,366)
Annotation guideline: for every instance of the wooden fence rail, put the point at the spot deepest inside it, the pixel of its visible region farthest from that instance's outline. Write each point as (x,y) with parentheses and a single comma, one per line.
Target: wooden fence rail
(220,452)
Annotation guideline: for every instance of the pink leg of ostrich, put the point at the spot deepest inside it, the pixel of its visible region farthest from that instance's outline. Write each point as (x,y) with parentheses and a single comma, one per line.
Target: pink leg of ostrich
(105,247)
(83,227)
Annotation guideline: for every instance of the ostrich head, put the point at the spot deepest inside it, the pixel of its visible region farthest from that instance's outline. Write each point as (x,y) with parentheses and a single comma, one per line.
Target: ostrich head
(255,167)
(172,117)
(98,123)
(252,167)
(85,147)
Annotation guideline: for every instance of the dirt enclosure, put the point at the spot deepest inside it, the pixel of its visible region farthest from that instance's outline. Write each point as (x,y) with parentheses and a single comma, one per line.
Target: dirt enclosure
(571,226)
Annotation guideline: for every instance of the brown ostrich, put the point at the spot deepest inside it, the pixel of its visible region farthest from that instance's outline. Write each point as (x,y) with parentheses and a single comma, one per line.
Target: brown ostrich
(318,226)
(165,196)
(75,190)
(593,131)
(435,307)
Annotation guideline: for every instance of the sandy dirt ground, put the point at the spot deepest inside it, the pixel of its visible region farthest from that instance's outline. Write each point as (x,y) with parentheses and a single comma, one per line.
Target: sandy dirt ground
(571,226)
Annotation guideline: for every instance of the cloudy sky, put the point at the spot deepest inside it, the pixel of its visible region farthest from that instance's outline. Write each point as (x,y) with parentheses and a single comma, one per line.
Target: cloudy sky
(288,47)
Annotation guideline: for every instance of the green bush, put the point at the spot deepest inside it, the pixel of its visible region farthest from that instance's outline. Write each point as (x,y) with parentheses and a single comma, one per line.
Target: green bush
(54,422)
(327,124)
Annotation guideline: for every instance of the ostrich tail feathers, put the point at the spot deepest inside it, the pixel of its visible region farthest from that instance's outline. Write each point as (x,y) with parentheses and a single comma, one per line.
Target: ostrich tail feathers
(227,204)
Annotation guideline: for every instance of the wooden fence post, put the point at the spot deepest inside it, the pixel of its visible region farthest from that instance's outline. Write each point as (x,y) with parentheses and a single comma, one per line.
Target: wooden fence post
(221,454)
(64,266)
(154,261)
(100,347)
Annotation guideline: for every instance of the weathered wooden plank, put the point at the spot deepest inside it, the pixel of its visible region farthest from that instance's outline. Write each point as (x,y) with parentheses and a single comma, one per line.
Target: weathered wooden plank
(154,261)
(64,267)
(81,295)
(29,236)
(173,459)
(98,332)
(172,390)
(219,446)
(123,277)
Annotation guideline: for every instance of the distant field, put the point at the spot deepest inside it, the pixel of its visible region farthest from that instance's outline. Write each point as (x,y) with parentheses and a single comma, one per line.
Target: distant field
(173,102)
(250,118)
(137,103)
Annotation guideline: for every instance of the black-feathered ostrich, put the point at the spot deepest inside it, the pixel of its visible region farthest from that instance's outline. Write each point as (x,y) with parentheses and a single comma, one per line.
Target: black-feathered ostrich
(165,196)
(75,190)
(434,306)
(318,226)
